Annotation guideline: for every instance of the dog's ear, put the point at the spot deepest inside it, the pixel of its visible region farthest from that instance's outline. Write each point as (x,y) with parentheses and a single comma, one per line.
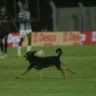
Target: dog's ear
(27,54)
(33,52)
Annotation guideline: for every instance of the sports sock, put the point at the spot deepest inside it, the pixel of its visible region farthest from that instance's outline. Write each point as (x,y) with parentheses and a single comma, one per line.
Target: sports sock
(19,50)
(28,48)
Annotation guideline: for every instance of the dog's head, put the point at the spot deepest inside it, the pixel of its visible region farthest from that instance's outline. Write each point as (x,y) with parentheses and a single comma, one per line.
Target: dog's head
(29,54)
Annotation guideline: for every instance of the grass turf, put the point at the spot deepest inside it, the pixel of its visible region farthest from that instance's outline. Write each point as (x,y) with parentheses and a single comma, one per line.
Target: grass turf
(81,59)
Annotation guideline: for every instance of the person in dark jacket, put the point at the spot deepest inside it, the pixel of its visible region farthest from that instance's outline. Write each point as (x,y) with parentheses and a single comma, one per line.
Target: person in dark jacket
(4,30)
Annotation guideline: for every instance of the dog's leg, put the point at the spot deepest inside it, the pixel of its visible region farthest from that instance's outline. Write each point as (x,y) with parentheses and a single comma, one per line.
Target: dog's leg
(29,68)
(61,70)
(40,74)
(66,68)
(58,66)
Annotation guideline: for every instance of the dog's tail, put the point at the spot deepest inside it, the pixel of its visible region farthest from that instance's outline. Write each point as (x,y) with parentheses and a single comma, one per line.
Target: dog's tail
(59,51)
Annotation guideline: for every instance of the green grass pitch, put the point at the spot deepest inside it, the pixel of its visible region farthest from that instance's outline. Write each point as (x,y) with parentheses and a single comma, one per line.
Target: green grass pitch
(81,59)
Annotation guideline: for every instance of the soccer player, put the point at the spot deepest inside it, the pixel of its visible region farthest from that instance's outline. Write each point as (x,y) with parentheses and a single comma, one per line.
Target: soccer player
(25,26)
(4,30)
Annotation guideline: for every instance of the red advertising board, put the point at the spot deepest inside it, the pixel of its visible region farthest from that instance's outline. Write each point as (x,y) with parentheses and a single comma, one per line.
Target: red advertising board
(13,39)
(94,37)
(88,37)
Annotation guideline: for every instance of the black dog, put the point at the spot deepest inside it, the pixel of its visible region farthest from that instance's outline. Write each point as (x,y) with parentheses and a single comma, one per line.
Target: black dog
(44,62)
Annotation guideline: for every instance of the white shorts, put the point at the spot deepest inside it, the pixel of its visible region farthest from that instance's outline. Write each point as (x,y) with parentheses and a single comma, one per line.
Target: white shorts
(25,29)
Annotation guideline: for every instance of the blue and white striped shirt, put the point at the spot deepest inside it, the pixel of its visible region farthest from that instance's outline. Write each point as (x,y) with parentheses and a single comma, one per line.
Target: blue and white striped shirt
(24,15)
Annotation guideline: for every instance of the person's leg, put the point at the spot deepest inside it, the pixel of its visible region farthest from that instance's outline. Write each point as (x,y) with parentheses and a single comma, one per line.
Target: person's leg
(5,45)
(29,42)
(22,34)
(1,47)
(29,35)
(3,41)
(19,47)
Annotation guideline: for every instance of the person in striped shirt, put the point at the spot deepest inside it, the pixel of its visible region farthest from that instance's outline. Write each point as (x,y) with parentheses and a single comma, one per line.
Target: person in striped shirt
(25,27)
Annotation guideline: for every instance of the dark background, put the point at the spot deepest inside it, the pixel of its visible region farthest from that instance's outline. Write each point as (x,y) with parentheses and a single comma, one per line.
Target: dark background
(41,11)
